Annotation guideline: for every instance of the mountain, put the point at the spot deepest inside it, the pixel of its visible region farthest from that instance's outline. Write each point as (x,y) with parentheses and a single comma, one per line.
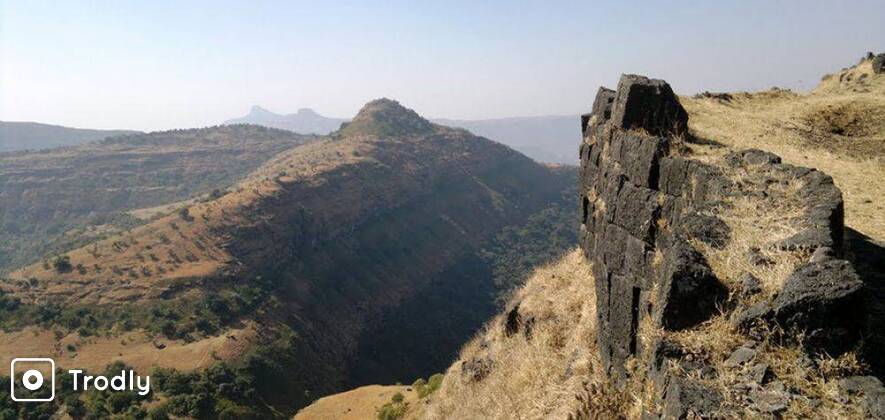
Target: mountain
(57,199)
(364,257)
(30,135)
(715,278)
(305,121)
(544,139)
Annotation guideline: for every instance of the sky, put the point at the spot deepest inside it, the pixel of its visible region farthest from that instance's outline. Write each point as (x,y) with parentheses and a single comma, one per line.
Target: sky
(151,65)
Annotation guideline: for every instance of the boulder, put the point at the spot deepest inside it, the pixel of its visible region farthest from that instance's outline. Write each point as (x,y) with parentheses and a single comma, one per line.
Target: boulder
(708,229)
(750,285)
(649,105)
(512,321)
(602,109)
(740,356)
(477,368)
(751,157)
(879,64)
(690,292)
(687,398)
(870,389)
(824,301)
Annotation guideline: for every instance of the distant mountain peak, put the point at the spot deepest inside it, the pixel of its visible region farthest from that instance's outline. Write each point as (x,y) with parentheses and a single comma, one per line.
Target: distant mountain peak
(259,111)
(386,117)
(306,120)
(307,112)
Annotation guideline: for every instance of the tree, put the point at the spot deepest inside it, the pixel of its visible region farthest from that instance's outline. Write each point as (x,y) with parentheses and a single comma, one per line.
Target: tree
(62,264)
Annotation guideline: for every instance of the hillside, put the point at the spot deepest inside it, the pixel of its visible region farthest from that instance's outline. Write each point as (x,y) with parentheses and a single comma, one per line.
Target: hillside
(365,257)
(58,199)
(33,136)
(544,139)
(713,281)
(305,121)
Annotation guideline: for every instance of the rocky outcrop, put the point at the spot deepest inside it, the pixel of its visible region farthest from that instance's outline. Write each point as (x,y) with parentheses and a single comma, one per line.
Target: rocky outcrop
(633,193)
(878,63)
(645,207)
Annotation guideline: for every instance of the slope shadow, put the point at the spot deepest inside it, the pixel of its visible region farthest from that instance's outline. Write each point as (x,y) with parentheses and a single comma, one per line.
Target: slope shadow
(868,256)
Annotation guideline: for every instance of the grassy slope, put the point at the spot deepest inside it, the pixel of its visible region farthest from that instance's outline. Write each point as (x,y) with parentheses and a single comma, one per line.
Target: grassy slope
(838,129)
(59,199)
(313,235)
(29,135)
(803,129)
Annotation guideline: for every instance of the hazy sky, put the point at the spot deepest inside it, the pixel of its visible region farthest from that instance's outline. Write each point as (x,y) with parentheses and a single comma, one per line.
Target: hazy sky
(166,64)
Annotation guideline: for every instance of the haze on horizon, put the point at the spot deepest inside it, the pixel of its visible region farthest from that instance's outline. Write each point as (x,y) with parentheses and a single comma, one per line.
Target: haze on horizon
(161,65)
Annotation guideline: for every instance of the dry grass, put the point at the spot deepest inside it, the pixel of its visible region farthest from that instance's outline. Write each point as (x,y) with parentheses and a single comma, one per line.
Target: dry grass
(540,376)
(784,123)
(816,389)
(136,348)
(755,223)
(358,404)
(174,249)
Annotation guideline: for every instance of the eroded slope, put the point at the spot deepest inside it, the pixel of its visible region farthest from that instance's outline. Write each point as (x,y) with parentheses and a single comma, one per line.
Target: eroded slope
(59,199)
(327,247)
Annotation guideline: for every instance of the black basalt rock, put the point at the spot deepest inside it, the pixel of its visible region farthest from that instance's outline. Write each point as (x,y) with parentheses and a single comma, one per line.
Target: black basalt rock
(879,64)
(634,196)
(648,104)
(824,300)
(689,293)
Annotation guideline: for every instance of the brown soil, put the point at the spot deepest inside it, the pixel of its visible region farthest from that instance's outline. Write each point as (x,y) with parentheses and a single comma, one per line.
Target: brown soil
(135,349)
(357,404)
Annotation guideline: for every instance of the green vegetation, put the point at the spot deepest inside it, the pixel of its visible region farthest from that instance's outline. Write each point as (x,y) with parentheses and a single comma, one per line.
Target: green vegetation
(60,199)
(424,388)
(397,407)
(220,392)
(392,410)
(546,236)
(186,318)
(90,404)
(386,118)
(62,264)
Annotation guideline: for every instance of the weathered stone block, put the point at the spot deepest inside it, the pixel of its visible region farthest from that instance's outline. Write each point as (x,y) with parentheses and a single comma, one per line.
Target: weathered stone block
(824,301)
(689,292)
(648,104)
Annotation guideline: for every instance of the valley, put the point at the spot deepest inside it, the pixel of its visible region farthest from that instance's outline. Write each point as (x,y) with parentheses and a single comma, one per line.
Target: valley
(307,265)
(712,280)
(58,199)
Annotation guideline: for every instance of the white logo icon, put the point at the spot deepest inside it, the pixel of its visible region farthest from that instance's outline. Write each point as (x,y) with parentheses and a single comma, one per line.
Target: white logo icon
(32,379)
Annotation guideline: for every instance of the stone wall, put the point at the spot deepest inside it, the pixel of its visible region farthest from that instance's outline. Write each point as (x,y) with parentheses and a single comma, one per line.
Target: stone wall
(633,192)
(644,205)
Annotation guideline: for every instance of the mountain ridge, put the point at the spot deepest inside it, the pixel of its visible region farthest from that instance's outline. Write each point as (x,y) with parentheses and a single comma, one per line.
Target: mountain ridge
(305,120)
(549,138)
(26,135)
(327,246)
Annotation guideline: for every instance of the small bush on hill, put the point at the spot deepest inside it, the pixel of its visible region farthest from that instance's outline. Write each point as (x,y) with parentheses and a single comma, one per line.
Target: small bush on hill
(62,264)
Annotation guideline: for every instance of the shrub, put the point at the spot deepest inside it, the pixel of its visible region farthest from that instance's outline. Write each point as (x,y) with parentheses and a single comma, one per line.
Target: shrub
(398,398)
(185,214)
(62,264)
(160,412)
(392,411)
(425,388)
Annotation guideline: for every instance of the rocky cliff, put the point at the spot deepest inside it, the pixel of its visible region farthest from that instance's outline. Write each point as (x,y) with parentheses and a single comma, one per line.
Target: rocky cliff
(651,218)
(712,281)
